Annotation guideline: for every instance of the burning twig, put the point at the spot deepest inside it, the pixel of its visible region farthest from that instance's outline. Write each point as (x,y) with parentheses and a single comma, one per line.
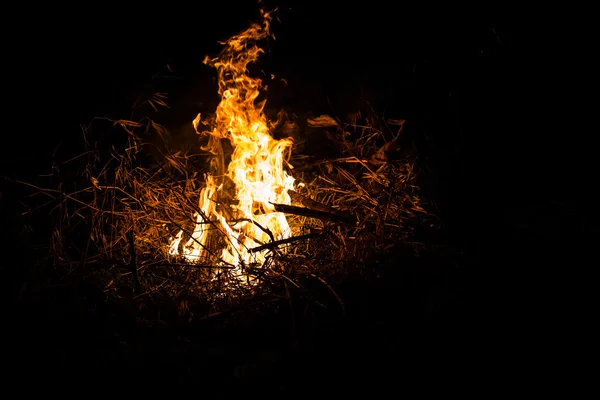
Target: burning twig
(310,203)
(318,214)
(277,243)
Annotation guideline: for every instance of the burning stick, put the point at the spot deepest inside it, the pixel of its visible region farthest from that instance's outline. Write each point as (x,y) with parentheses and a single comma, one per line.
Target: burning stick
(285,241)
(318,214)
(310,203)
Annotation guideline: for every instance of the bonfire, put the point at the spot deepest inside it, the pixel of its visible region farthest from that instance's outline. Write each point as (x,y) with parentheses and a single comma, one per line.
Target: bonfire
(239,216)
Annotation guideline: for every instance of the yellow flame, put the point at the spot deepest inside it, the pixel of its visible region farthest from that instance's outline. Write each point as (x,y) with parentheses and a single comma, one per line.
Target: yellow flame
(256,165)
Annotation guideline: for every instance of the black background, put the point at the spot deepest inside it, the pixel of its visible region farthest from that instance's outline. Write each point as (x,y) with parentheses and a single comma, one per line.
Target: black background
(449,72)
(446,71)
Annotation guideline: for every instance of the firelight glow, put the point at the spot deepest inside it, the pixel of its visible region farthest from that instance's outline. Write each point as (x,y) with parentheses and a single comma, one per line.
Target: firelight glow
(256,167)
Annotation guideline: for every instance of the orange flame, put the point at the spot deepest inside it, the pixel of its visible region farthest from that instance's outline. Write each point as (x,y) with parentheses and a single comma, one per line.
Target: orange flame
(256,167)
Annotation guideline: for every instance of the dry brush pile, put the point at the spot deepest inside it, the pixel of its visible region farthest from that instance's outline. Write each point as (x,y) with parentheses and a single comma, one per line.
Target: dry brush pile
(134,194)
(118,205)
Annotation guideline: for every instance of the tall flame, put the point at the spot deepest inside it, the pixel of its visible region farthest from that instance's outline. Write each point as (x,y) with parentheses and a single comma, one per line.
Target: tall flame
(256,164)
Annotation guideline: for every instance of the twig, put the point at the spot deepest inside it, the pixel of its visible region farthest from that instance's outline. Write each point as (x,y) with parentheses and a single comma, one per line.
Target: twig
(318,214)
(310,203)
(133,262)
(339,299)
(190,265)
(284,241)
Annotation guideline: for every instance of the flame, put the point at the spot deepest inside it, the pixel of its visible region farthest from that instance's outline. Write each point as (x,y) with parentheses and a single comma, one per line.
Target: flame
(256,167)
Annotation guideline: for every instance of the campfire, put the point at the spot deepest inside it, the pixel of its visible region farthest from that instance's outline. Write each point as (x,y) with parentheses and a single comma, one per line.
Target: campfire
(240,215)
(255,170)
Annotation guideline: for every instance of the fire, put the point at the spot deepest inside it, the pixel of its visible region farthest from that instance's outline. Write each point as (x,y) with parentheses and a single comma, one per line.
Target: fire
(256,167)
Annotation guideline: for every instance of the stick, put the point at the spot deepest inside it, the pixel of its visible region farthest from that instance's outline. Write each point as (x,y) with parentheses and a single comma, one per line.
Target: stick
(318,214)
(339,299)
(284,241)
(310,203)
(194,266)
(133,262)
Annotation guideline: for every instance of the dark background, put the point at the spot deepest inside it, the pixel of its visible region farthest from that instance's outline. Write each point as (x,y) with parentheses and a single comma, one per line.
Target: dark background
(446,71)
(450,73)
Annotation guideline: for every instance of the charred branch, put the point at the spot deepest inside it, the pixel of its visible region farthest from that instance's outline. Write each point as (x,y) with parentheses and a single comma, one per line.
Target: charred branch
(318,214)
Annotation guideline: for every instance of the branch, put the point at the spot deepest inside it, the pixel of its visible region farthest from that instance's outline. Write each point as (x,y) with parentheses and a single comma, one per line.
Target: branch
(284,241)
(318,214)
(133,262)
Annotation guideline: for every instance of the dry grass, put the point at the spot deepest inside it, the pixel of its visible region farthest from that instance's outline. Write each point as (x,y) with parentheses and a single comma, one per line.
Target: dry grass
(357,203)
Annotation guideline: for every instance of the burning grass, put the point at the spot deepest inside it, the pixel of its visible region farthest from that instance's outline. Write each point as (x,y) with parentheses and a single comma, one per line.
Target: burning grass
(347,210)
(240,216)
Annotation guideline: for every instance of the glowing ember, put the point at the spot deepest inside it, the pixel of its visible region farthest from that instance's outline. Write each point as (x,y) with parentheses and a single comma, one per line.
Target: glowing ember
(256,165)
